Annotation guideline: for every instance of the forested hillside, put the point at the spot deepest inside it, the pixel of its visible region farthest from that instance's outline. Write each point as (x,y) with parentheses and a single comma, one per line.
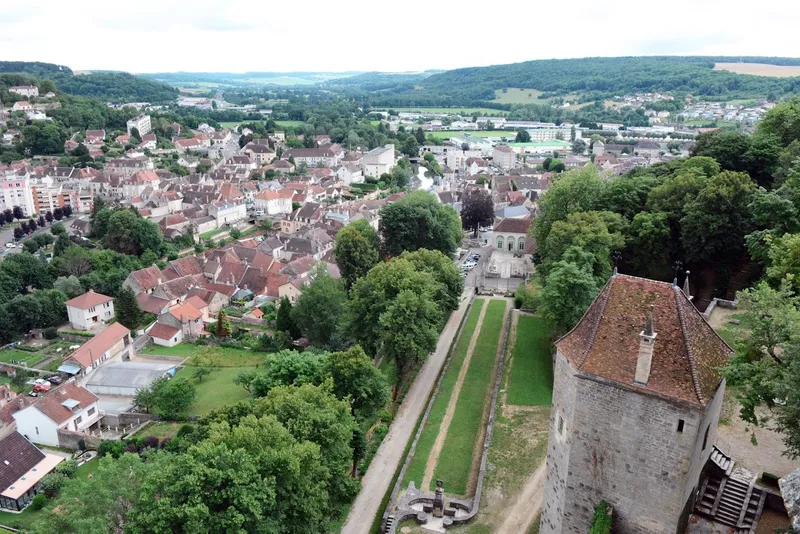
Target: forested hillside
(106,86)
(595,78)
(33,67)
(116,87)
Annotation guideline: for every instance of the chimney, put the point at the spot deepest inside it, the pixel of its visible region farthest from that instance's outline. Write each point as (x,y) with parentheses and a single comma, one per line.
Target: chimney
(686,290)
(644,359)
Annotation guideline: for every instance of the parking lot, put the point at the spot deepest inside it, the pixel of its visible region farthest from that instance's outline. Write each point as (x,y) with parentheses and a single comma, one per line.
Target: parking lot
(480,264)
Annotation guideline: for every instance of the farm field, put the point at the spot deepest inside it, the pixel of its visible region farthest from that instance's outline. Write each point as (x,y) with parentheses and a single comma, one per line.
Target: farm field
(515,95)
(459,450)
(454,111)
(760,69)
(478,133)
(530,378)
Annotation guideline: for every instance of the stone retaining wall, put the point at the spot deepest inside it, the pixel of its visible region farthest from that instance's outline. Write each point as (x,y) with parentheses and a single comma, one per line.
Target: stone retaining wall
(70,440)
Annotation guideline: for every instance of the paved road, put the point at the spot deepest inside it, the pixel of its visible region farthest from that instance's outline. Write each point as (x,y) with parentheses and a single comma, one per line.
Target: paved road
(376,481)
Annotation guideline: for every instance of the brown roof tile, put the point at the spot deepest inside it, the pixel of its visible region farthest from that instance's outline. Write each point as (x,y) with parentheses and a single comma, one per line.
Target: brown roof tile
(94,349)
(687,354)
(17,457)
(51,404)
(87,300)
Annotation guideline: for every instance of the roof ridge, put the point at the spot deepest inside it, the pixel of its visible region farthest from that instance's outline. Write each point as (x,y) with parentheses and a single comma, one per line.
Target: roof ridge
(596,324)
(692,365)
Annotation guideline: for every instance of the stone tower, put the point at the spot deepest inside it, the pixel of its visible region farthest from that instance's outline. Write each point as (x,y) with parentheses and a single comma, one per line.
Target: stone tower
(636,400)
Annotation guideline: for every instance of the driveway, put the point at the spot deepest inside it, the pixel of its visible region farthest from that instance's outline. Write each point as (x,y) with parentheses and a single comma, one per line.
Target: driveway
(472,276)
(376,481)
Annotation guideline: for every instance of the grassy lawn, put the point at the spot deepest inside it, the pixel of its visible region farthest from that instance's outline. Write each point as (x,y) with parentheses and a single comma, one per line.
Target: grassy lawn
(212,233)
(530,382)
(289,124)
(161,430)
(416,468)
(230,124)
(28,516)
(515,95)
(455,461)
(216,390)
(219,356)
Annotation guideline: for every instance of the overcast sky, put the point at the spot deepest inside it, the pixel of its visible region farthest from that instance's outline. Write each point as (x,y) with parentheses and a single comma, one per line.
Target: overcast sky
(350,35)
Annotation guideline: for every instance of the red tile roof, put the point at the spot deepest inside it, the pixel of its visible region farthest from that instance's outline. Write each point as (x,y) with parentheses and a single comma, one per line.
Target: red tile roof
(687,354)
(87,300)
(94,349)
(185,312)
(151,304)
(148,277)
(51,404)
(197,302)
(163,331)
(513,226)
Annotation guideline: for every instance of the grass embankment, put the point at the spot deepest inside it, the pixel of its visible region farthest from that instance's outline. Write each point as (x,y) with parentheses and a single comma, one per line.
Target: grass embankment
(456,459)
(416,468)
(530,382)
(216,356)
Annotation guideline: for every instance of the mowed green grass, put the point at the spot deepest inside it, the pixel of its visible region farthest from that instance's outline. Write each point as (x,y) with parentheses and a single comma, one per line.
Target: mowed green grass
(456,459)
(217,356)
(289,124)
(515,95)
(215,391)
(416,468)
(530,382)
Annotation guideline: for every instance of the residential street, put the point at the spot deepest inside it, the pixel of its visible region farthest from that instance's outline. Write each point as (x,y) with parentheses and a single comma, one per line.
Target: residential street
(376,481)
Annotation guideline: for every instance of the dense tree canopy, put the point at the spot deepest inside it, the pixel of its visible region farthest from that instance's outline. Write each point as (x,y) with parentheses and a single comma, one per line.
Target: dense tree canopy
(357,250)
(419,221)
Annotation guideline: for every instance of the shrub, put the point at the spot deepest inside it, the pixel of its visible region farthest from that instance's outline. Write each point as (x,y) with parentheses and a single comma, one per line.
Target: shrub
(150,442)
(51,484)
(601,521)
(38,502)
(50,332)
(380,431)
(113,448)
(67,468)
(131,447)
(385,416)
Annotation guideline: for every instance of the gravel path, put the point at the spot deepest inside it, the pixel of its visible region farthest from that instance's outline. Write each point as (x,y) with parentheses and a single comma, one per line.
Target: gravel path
(529,503)
(381,470)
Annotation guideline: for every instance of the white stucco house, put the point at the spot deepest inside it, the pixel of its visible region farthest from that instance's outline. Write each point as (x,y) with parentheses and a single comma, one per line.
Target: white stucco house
(90,309)
(229,211)
(378,161)
(70,407)
(511,235)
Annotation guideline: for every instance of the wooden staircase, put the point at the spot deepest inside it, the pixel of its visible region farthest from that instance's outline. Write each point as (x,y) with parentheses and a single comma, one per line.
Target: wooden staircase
(732,501)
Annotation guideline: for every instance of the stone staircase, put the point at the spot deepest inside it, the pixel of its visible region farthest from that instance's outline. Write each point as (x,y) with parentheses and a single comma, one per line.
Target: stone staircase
(731,500)
(721,460)
(387,526)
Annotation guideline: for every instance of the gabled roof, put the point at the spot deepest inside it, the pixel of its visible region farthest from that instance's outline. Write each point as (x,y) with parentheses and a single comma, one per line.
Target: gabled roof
(87,300)
(163,331)
(513,226)
(151,304)
(94,349)
(185,312)
(54,404)
(17,457)
(687,353)
(147,278)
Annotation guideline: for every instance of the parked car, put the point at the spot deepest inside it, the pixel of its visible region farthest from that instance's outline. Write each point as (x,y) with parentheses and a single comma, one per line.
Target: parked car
(11,245)
(54,380)
(41,385)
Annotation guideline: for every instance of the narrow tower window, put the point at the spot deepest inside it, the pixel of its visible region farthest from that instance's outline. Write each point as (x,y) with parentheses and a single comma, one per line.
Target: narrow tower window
(680,425)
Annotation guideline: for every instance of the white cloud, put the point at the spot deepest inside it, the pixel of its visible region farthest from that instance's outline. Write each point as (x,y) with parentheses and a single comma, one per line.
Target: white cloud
(311,35)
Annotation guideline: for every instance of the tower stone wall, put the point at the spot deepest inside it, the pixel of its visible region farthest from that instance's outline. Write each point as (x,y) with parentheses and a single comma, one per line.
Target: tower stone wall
(639,451)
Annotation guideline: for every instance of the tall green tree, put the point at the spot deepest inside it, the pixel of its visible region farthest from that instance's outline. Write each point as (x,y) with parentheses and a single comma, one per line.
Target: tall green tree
(321,307)
(477,209)
(569,290)
(168,398)
(717,220)
(444,271)
(408,329)
(357,379)
(357,250)
(419,221)
(766,367)
(284,322)
(223,327)
(127,310)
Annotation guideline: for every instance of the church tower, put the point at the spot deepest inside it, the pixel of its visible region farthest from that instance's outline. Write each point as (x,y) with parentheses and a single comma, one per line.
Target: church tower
(636,400)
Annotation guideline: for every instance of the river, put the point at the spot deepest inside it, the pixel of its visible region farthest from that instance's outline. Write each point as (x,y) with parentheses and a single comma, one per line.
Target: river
(425,183)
